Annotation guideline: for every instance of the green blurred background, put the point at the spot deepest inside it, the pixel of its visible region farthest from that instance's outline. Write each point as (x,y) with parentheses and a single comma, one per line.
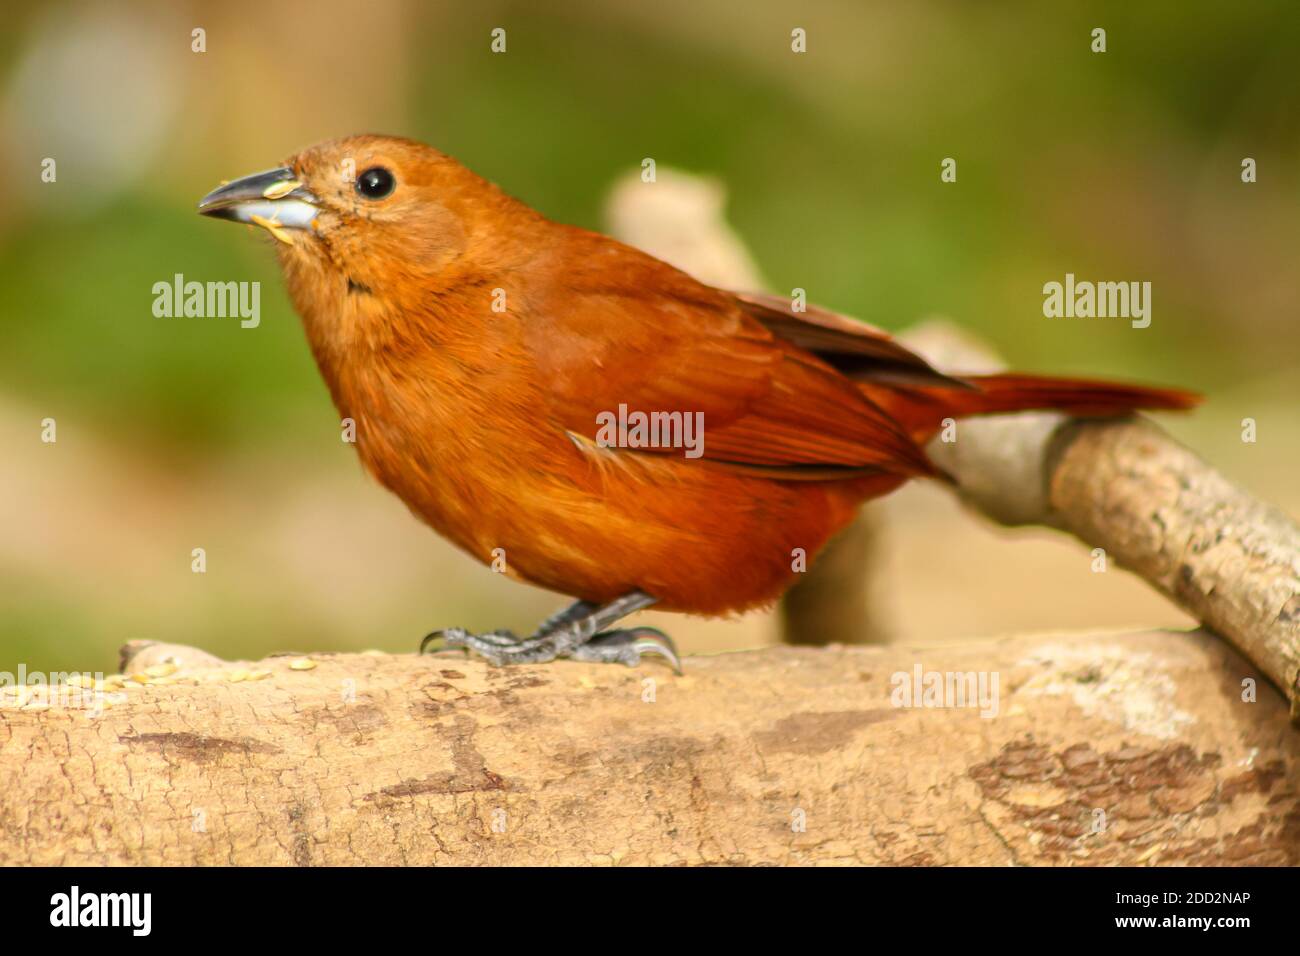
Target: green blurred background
(182,433)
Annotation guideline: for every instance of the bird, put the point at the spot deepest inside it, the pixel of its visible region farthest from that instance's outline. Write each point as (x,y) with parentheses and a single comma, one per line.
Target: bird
(587,418)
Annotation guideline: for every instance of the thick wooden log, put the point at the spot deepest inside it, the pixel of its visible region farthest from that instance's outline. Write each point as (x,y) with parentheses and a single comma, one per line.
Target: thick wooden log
(1087,749)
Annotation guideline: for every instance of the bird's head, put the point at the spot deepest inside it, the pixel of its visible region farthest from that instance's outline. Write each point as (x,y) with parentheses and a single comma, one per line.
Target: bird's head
(363,210)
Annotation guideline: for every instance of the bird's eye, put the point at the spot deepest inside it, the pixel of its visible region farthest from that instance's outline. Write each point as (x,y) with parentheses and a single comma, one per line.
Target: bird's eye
(376,183)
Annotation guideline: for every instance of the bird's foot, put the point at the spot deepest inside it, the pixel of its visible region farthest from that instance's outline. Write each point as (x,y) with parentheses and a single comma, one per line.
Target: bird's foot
(496,647)
(578,633)
(626,645)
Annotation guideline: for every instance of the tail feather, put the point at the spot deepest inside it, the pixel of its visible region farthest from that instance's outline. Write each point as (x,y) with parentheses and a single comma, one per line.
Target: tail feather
(922,409)
(1015,393)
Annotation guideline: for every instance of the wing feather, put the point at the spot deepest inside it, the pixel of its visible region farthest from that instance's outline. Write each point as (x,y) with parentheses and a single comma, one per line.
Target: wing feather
(855,349)
(629,330)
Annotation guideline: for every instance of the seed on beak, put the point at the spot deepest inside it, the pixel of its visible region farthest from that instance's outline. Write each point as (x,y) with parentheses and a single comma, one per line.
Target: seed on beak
(281,189)
(273,227)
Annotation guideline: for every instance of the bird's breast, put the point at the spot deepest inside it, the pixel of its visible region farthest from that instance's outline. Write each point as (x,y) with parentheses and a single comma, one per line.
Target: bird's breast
(462,448)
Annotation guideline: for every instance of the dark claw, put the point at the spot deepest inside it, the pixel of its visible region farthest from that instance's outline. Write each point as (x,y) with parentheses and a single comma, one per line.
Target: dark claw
(626,646)
(441,635)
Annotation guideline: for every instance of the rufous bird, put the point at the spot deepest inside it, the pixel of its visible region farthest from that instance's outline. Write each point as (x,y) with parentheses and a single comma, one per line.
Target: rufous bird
(495,362)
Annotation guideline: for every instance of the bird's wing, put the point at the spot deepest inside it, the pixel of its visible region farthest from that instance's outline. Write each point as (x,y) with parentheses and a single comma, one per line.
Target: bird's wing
(855,349)
(621,329)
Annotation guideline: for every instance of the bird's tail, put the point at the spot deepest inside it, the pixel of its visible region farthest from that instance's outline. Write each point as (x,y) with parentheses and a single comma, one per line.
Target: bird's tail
(922,409)
(1079,396)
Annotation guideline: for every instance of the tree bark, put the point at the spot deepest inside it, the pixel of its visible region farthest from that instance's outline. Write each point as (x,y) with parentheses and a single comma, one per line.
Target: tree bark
(1105,749)
(1231,561)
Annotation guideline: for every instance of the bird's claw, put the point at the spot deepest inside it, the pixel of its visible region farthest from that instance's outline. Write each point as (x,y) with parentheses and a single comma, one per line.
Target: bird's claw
(626,645)
(438,639)
(623,646)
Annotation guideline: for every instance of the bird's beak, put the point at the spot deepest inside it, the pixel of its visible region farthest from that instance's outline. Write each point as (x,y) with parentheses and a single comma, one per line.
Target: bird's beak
(273,199)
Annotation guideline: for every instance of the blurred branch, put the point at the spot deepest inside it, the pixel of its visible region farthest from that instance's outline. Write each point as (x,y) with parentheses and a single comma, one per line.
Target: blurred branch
(831,602)
(1107,750)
